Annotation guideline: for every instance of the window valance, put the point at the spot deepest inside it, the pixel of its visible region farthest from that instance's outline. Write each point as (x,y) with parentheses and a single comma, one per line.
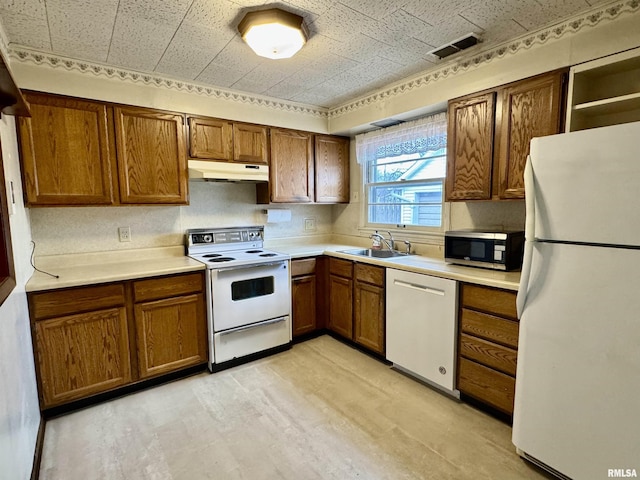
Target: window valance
(418,136)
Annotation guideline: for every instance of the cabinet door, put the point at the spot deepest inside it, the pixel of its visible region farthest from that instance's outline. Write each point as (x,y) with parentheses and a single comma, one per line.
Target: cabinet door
(83,354)
(470,147)
(332,169)
(341,305)
(531,108)
(210,139)
(152,158)
(67,152)
(171,334)
(369,316)
(250,143)
(303,297)
(291,172)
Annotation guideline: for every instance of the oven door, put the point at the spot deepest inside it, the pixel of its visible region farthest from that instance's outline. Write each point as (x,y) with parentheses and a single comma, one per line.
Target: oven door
(249,293)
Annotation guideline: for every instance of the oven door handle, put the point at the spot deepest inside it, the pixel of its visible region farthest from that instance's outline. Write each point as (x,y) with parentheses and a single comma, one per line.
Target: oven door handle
(253,325)
(253,265)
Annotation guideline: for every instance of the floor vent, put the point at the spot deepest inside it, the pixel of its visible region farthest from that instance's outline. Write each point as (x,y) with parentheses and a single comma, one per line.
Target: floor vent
(456,46)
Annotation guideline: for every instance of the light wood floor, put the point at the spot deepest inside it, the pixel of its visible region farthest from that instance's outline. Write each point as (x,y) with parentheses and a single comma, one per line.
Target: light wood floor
(319,411)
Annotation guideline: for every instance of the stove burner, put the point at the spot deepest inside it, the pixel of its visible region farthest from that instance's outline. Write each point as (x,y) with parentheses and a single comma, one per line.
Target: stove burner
(268,254)
(253,251)
(221,259)
(212,255)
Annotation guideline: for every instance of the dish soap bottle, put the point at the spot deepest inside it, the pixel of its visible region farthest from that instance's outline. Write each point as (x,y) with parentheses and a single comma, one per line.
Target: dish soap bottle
(375,244)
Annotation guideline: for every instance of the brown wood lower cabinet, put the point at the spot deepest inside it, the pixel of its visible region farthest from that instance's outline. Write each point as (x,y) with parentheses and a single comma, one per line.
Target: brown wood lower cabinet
(488,343)
(83,354)
(304,296)
(341,297)
(369,314)
(356,303)
(88,342)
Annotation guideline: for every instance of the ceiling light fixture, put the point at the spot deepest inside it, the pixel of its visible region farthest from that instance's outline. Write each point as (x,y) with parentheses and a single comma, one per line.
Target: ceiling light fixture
(273,33)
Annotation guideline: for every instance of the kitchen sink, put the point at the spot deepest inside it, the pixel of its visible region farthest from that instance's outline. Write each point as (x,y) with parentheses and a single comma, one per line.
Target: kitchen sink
(375,253)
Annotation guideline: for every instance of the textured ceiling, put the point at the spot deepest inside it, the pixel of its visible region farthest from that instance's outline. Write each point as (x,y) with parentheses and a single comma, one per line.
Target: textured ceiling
(355,46)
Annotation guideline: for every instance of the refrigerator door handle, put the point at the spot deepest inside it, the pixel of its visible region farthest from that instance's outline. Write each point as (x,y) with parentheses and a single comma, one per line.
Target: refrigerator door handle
(529,234)
(523,288)
(529,202)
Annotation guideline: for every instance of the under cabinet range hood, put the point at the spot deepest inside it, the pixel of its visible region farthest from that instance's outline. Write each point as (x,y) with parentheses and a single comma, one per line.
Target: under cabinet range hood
(227,172)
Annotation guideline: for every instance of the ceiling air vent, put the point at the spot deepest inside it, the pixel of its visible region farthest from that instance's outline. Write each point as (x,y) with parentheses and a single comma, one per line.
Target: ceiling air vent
(456,46)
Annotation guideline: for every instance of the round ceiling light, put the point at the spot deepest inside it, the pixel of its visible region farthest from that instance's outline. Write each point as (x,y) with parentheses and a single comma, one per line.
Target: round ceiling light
(273,33)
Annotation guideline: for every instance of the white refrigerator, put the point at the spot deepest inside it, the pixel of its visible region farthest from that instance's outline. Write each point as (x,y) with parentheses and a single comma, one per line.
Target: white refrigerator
(577,400)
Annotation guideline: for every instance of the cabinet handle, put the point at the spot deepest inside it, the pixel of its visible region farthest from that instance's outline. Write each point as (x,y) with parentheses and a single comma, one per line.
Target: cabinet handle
(422,288)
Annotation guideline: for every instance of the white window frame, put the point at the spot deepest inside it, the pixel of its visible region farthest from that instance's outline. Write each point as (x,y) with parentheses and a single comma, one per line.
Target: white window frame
(390,135)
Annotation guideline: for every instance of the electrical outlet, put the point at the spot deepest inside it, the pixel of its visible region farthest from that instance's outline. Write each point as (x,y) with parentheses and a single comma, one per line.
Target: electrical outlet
(124,234)
(310,224)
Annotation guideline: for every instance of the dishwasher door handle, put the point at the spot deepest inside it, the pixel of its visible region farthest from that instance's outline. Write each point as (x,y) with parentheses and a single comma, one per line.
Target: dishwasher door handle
(422,288)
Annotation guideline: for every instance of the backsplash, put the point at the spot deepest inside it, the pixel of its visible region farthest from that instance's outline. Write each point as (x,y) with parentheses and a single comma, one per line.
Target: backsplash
(507,214)
(95,229)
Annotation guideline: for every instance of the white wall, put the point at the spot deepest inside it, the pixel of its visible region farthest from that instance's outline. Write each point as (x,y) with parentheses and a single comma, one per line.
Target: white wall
(94,229)
(19,412)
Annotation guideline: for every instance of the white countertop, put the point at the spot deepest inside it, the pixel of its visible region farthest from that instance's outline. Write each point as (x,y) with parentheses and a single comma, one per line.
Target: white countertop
(412,263)
(102,267)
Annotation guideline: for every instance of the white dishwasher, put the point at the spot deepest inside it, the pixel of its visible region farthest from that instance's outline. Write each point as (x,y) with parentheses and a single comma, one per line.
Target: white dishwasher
(422,326)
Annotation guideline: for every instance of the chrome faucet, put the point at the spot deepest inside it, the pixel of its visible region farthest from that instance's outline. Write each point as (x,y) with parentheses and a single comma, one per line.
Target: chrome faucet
(390,244)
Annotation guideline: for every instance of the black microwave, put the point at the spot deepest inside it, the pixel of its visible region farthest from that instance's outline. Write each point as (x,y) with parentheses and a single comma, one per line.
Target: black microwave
(498,250)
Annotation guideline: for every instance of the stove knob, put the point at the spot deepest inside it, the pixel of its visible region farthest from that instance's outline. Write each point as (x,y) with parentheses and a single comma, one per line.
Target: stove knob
(207,238)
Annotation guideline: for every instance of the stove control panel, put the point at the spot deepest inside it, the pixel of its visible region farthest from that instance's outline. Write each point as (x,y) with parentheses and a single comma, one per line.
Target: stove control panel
(224,236)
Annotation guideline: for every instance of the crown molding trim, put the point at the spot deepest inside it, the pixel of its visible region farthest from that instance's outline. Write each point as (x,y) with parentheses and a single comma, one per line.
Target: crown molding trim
(47,60)
(463,63)
(549,34)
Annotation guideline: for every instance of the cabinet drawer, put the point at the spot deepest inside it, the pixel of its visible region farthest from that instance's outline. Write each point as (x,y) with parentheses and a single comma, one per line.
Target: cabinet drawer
(342,268)
(489,353)
(306,266)
(486,385)
(489,327)
(155,288)
(370,274)
(57,303)
(491,300)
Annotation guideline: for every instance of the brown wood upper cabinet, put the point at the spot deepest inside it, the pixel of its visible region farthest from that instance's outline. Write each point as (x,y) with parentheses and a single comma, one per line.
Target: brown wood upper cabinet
(292,167)
(152,157)
(83,152)
(332,169)
(306,168)
(67,151)
(489,134)
(470,147)
(227,141)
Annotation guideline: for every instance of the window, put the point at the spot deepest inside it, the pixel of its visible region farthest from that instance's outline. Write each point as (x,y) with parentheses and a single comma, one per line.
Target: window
(404,171)
(7,274)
